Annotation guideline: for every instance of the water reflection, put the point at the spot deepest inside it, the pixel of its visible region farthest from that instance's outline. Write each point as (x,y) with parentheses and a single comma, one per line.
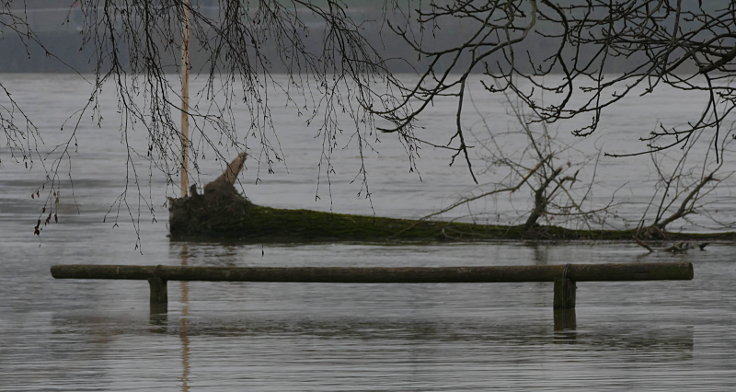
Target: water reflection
(276,352)
(541,254)
(184,323)
(158,320)
(348,331)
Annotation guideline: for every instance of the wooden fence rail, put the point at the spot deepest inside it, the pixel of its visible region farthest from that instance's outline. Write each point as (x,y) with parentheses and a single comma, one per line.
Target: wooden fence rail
(564,277)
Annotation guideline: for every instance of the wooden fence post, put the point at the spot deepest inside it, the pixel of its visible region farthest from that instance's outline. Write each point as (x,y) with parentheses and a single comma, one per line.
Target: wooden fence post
(564,301)
(159,295)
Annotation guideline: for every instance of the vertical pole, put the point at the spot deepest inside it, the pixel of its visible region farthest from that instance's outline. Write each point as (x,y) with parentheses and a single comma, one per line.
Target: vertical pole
(184,324)
(159,296)
(564,301)
(184,136)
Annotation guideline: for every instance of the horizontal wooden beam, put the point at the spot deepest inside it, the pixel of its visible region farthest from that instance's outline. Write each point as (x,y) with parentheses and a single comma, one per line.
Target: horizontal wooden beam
(526,273)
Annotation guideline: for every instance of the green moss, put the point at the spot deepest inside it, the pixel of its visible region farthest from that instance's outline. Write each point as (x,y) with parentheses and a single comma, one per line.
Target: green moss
(237,219)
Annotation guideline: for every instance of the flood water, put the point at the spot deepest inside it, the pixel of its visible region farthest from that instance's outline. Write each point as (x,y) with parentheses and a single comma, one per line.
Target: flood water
(68,335)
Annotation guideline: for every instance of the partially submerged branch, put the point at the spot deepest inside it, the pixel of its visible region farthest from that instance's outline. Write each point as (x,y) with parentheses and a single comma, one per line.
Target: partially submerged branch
(541,199)
(467,200)
(687,206)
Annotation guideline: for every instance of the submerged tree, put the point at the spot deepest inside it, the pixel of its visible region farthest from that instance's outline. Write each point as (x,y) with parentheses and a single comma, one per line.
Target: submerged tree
(558,177)
(563,59)
(681,190)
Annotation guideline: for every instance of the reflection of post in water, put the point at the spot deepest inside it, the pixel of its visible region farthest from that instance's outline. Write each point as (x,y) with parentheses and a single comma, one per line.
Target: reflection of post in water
(184,323)
(541,254)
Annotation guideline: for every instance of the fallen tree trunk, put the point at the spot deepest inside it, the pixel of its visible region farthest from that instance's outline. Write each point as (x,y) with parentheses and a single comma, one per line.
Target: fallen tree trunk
(193,218)
(222,214)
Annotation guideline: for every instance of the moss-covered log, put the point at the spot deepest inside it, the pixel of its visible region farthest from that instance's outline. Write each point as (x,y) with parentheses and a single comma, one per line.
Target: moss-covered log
(222,214)
(235,218)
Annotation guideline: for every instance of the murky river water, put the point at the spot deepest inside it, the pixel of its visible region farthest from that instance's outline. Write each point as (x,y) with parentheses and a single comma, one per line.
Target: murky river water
(97,335)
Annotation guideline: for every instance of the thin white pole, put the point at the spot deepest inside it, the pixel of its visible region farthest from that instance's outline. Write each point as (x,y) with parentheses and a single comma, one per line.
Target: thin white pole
(184,136)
